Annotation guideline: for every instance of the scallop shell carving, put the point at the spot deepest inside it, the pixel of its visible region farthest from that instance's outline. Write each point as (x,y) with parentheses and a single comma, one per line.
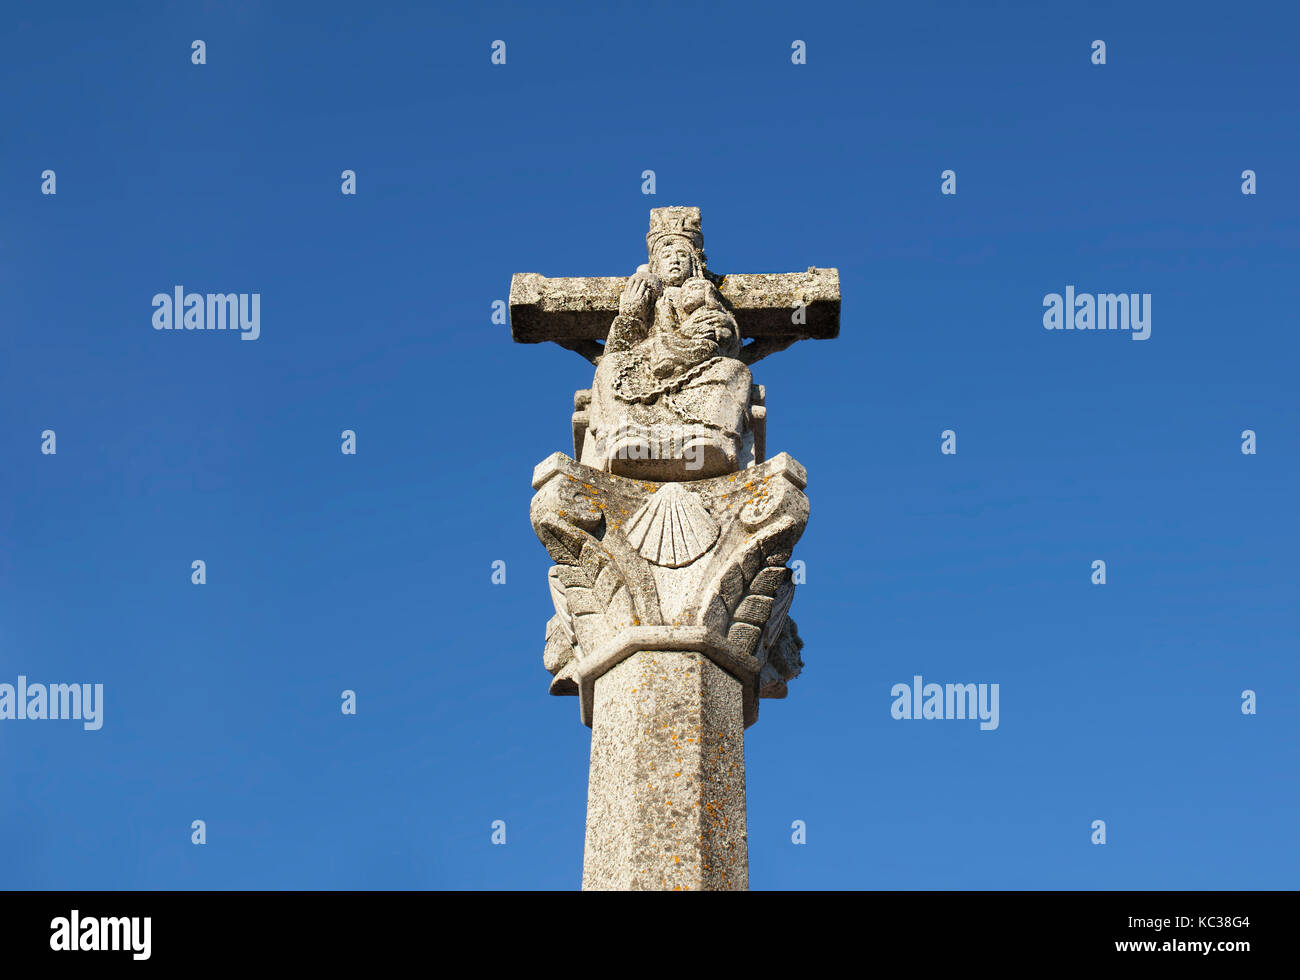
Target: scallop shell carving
(672,528)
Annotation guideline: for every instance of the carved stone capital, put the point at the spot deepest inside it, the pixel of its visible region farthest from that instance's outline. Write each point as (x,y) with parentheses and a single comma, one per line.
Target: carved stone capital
(696,566)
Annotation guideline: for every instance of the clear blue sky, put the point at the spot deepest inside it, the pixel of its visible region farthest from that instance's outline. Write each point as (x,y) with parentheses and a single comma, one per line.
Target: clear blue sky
(372,572)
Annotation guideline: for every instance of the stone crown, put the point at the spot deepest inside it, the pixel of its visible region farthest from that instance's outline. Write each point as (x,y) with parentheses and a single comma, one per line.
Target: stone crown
(678,222)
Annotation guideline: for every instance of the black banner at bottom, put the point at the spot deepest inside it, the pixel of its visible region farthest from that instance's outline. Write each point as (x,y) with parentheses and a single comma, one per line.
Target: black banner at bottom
(168,930)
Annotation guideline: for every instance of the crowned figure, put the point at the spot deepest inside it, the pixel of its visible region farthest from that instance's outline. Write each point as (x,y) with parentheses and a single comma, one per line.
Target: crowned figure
(671,398)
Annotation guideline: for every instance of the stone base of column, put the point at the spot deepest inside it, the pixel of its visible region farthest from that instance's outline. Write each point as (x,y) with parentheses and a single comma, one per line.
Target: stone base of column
(666,803)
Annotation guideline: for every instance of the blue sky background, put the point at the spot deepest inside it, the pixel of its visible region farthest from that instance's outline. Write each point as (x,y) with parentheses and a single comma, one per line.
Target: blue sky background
(372,572)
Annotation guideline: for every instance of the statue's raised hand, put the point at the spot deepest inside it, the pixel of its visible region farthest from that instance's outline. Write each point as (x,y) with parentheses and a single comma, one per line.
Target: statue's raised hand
(636,297)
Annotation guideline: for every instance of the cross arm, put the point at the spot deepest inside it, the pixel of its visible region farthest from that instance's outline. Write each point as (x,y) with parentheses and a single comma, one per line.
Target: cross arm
(576,313)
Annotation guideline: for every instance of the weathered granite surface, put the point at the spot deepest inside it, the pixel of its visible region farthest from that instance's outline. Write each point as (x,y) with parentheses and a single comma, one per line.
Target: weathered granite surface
(580,308)
(666,800)
(723,589)
(670,534)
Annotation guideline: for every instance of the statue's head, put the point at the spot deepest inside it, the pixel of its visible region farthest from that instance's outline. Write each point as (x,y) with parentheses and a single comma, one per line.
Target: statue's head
(675,245)
(673,260)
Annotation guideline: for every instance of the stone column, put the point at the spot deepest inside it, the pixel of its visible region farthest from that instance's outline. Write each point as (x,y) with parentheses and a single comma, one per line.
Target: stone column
(670,531)
(668,641)
(666,801)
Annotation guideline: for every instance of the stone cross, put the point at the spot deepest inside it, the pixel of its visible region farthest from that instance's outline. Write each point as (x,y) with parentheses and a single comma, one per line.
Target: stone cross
(670,530)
